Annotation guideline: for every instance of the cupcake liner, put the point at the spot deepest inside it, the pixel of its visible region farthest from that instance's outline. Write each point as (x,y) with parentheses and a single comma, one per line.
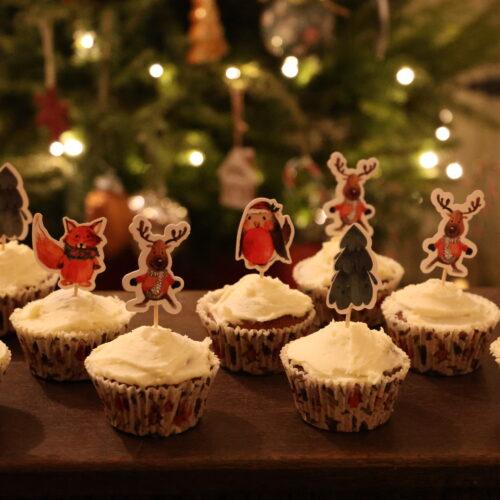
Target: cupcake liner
(155,410)
(438,351)
(343,406)
(61,356)
(9,303)
(250,350)
(4,363)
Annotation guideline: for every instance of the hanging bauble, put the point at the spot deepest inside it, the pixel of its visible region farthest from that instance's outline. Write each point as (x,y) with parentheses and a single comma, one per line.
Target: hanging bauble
(52,113)
(297,27)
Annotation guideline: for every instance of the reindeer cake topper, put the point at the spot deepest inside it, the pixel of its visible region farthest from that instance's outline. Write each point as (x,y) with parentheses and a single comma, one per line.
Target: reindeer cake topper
(14,214)
(153,283)
(77,256)
(449,246)
(349,206)
(264,235)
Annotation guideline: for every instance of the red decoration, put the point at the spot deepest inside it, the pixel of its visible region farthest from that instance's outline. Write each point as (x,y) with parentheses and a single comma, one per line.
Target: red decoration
(52,113)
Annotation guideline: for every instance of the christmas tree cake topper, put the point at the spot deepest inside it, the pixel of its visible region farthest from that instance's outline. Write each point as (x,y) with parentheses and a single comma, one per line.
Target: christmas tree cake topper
(153,283)
(14,214)
(77,256)
(449,246)
(354,283)
(349,206)
(264,235)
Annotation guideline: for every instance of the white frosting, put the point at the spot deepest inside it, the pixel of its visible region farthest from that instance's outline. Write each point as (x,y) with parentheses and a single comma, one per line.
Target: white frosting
(317,271)
(61,311)
(257,298)
(495,350)
(150,356)
(345,354)
(19,269)
(436,303)
(4,357)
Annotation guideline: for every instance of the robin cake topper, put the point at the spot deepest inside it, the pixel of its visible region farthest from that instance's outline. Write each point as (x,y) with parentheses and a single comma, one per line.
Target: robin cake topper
(14,214)
(264,235)
(154,283)
(77,256)
(349,206)
(449,246)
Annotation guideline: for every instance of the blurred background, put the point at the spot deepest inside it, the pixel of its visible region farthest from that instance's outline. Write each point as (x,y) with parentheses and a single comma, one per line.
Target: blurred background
(185,110)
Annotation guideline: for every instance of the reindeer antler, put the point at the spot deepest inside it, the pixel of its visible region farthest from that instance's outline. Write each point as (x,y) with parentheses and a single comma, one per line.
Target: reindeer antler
(341,165)
(337,163)
(368,167)
(444,203)
(176,235)
(474,206)
(144,232)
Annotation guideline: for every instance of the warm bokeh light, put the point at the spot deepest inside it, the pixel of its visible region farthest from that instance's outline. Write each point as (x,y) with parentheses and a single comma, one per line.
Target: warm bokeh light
(405,75)
(446,116)
(443,133)
(233,73)
(320,216)
(454,170)
(56,148)
(196,158)
(87,40)
(136,203)
(290,67)
(156,70)
(429,159)
(73,147)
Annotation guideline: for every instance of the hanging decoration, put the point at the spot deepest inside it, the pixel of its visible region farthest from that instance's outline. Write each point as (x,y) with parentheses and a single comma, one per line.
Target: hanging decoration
(206,33)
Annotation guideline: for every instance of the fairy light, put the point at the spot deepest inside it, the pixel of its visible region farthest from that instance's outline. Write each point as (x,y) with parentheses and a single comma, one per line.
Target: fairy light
(446,116)
(454,170)
(429,159)
(56,148)
(87,40)
(320,216)
(290,67)
(136,203)
(73,147)
(443,133)
(276,41)
(156,70)
(405,75)
(233,73)
(196,158)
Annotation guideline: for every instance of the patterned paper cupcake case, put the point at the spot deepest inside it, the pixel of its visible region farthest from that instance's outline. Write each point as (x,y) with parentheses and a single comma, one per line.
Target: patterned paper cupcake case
(249,350)
(28,294)
(61,356)
(343,406)
(155,410)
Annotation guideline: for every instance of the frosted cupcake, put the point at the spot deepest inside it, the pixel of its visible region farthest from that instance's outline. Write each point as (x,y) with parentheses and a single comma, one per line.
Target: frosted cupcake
(250,321)
(153,381)
(495,350)
(345,378)
(58,332)
(5,357)
(22,280)
(442,328)
(314,276)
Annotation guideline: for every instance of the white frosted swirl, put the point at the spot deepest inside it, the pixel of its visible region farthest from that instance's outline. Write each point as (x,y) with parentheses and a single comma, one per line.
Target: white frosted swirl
(256,298)
(495,350)
(149,356)
(345,354)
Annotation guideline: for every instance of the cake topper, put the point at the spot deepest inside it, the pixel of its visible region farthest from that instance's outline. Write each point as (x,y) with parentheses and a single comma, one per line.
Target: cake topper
(349,206)
(77,256)
(449,246)
(264,235)
(14,214)
(354,283)
(153,283)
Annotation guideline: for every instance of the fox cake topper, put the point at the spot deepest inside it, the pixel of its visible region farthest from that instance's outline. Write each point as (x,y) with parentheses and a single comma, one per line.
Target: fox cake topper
(449,246)
(14,214)
(264,235)
(77,256)
(153,283)
(349,206)
(354,283)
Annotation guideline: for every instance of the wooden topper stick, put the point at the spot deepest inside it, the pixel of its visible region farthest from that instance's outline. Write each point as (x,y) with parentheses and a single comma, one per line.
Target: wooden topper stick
(155,315)
(75,290)
(348,317)
(4,241)
(443,275)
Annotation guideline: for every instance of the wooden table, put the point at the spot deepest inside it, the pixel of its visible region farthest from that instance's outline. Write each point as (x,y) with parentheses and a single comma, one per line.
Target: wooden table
(54,440)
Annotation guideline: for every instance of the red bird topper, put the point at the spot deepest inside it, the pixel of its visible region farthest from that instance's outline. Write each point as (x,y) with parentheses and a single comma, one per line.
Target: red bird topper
(449,246)
(154,283)
(77,256)
(349,206)
(264,235)
(14,214)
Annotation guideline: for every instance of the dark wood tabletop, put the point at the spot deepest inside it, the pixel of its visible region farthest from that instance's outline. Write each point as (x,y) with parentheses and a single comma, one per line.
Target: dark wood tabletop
(54,439)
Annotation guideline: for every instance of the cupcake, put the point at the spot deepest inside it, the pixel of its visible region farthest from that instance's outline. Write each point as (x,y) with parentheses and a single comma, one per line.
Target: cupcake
(345,378)
(314,276)
(495,350)
(4,359)
(443,329)
(153,381)
(250,321)
(58,332)
(22,280)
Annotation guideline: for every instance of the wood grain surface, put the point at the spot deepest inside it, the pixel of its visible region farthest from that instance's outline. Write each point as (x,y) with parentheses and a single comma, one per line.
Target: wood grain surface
(54,439)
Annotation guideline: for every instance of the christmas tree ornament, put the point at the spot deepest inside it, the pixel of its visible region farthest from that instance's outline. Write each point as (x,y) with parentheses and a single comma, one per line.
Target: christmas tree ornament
(349,205)
(297,27)
(264,235)
(52,113)
(300,164)
(77,256)
(449,246)
(354,283)
(206,33)
(15,216)
(154,283)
